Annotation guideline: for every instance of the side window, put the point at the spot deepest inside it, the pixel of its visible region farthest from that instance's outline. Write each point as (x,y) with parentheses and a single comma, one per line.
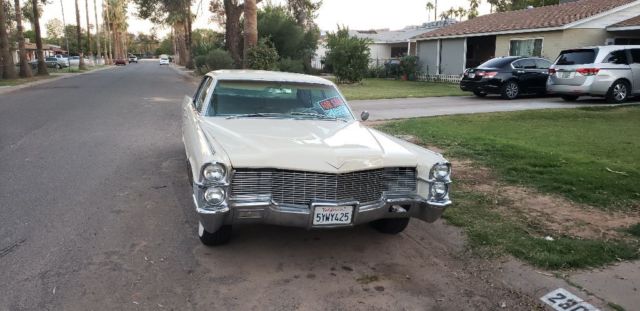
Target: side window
(635,54)
(542,64)
(202,93)
(518,65)
(525,64)
(617,57)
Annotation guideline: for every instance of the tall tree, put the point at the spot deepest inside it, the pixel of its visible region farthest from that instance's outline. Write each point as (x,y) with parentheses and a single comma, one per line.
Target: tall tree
(473,8)
(42,66)
(79,33)
(99,52)
(86,13)
(55,30)
(25,68)
(109,53)
(8,67)
(429,8)
(250,27)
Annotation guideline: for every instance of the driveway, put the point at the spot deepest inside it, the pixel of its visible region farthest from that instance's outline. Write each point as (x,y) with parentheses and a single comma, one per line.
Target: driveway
(386,109)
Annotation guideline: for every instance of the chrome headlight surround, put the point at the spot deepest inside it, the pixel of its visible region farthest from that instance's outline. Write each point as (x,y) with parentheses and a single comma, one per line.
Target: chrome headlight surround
(214,196)
(439,183)
(214,174)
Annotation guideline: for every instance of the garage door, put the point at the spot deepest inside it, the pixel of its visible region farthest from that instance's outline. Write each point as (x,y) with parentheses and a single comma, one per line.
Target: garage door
(452,56)
(428,55)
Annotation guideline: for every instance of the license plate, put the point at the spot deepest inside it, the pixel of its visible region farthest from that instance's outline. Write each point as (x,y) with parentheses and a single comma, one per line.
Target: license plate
(565,75)
(332,215)
(472,75)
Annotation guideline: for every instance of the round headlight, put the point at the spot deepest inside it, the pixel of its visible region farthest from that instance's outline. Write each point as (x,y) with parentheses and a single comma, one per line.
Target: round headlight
(441,170)
(214,195)
(214,172)
(439,190)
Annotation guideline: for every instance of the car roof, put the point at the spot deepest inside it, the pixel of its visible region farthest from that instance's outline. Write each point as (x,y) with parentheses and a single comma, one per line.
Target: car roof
(262,75)
(606,48)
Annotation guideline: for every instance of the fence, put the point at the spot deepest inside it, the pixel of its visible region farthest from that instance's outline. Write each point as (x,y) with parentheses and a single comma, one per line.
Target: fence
(439,78)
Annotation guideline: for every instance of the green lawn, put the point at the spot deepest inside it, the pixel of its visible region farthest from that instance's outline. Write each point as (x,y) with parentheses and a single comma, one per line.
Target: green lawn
(589,155)
(382,89)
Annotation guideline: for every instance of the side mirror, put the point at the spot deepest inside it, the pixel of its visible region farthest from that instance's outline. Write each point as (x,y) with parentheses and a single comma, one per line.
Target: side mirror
(364,116)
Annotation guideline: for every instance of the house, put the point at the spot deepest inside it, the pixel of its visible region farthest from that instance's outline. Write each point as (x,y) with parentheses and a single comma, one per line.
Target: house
(385,44)
(47,49)
(542,31)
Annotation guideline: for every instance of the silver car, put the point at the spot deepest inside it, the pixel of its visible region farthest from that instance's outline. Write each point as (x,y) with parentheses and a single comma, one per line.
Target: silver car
(611,71)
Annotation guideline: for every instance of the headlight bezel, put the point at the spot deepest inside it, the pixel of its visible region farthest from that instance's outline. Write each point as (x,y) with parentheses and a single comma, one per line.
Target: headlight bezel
(439,183)
(437,168)
(210,191)
(214,166)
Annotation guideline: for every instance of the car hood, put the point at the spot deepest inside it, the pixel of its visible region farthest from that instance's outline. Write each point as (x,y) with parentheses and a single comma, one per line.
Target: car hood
(309,145)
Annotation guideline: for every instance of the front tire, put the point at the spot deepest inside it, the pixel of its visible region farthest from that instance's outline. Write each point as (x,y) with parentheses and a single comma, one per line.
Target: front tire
(390,225)
(619,92)
(570,98)
(222,236)
(510,90)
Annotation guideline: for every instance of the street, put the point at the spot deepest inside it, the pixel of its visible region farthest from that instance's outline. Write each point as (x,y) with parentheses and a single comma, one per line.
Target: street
(97,214)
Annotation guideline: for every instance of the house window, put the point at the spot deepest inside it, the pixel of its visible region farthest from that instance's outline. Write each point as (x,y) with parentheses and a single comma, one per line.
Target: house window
(525,47)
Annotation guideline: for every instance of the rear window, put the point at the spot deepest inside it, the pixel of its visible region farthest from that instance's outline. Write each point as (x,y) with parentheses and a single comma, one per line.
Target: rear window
(576,57)
(497,62)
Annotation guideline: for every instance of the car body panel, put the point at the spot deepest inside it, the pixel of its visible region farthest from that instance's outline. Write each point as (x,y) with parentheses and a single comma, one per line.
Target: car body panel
(530,80)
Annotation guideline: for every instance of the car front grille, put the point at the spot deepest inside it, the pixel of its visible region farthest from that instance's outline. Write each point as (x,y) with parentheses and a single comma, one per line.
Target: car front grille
(301,188)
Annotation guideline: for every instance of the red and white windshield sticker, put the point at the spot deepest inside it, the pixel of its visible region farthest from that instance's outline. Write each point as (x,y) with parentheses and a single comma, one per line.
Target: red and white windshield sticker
(331,103)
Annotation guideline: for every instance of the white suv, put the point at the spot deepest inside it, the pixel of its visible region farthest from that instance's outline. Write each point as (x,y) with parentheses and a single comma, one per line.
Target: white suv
(612,71)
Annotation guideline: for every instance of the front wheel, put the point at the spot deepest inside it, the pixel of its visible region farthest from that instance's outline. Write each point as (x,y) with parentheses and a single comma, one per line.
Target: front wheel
(570,98)
(221,236)
(58,66)
(618,92)
(390,225)
(510,90)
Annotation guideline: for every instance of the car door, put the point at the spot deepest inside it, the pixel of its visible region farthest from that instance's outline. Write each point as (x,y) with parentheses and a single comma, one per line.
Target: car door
(635,69)
(542,67)
(191,108)
(525,71)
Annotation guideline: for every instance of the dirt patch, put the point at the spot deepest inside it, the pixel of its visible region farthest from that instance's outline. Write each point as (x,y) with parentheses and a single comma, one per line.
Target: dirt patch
(552,213)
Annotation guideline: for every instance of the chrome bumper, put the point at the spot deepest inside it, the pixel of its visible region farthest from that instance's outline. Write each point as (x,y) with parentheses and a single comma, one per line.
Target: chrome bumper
(267,212)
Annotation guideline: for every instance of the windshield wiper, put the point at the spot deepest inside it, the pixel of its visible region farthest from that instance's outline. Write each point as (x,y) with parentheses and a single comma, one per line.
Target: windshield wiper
(316,115)
(255,115)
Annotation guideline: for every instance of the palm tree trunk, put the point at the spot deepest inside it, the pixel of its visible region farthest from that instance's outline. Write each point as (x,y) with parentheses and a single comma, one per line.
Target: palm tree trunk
(86,13)
(81,66)
(42,66)
(8,67)
(232,30)
(250,28)
(188,56)
(108,34)
(99,52)
(25,68)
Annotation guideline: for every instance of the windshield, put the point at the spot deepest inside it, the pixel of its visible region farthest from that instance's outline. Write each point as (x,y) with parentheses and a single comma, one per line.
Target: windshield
(576,57)
(276,99)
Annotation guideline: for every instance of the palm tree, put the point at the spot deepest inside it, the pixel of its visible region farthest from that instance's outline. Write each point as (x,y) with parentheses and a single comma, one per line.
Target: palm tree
(99,52)
(8,67)
(86,14)
(473,8)
(429,9)
(81,66)
(109,53)
(42,66)
(250,27)
(461,12)
(25,68)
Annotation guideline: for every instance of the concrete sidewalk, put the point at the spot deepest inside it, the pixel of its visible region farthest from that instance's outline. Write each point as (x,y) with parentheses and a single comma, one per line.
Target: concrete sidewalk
(53,77)
(402,108)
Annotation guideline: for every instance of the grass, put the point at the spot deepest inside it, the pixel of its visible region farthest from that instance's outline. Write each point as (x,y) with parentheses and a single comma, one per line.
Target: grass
(490,233)
(383,89)
(587,155)
(634,230)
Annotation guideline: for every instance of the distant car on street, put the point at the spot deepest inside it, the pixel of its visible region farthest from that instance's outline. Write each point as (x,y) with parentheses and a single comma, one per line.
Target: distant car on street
(120,61)
(611,71)
(508,76)
(75,61)
(133,59)
(164,59)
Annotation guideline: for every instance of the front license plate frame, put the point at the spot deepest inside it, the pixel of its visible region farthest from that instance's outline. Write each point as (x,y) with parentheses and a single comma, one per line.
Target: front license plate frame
(332,215)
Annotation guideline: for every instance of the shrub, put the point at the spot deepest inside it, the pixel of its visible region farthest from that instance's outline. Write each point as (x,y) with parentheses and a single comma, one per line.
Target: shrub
(348,56)
(262,56)
(409,66)
(291,65)
(377,72)
(214,60)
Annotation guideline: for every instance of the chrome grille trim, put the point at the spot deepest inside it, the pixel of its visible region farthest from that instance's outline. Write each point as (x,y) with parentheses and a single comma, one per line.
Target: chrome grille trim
(301,187)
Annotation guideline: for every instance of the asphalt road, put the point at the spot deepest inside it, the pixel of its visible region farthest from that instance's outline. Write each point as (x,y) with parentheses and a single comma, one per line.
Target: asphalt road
(95,214)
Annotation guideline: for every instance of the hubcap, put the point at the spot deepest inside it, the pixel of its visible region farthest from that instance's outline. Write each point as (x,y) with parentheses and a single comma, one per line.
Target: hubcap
(620,92)
(512,90)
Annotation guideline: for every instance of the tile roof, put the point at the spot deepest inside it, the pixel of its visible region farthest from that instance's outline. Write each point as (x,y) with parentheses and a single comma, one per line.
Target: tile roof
(634,21)
(542,17)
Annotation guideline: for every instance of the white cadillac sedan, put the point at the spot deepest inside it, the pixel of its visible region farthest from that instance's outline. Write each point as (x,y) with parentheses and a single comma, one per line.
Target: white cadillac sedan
(285,149)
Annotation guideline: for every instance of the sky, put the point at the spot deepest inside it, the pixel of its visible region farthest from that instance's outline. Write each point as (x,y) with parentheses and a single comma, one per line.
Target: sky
(356,14)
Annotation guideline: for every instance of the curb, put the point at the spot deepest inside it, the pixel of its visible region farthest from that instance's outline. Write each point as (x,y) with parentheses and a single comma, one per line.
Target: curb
(181,70)
(9,89)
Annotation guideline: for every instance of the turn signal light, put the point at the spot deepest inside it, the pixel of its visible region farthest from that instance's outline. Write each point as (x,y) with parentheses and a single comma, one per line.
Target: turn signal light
(488,74)
(588,71)
(552,71)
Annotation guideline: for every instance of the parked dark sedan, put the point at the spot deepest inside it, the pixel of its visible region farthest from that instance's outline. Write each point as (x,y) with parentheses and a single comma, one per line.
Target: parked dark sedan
(508,76)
